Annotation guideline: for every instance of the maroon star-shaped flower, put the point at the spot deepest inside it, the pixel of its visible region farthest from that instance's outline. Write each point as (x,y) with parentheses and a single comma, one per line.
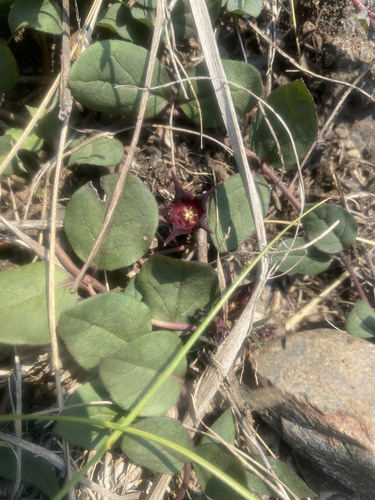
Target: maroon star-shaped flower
(187,212)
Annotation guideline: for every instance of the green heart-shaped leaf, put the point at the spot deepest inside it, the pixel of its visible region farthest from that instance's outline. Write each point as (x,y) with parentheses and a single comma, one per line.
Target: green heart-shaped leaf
(176,290)
(183,19)
(361,320)
(104,151)
(99,325)
(230,217)
(23,303)
(282,471)
(40,15)
(133,226)
(106,77)
(155,456)
(295,106)
(224,427)
(129,372)
(119,19)
(240,73)
(304,261)
(322,218)
(6,144)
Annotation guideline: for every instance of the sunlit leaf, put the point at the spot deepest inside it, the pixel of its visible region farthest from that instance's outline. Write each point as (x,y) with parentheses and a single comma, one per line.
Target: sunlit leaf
(104,151)
(88,402)
(131,370)
(321,219)
(223,426)
(152,455)
(97,326)
(240,73)
(106,78)
(219,456)
(309,260)
(284,474)
(361,320)
(40,15)
(23,303)
(133,225)
(230,217)
(240,7)
(176,290)
(295,106)
(119,18)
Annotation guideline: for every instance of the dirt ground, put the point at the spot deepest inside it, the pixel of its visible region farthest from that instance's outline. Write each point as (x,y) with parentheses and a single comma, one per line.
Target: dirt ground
(333,49)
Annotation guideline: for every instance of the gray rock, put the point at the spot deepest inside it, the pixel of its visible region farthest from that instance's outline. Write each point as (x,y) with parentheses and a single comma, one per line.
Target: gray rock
(328,415)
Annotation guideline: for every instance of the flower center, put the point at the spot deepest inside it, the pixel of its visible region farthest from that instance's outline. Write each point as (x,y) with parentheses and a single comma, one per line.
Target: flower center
(190,215)
(232,306)
(186,214)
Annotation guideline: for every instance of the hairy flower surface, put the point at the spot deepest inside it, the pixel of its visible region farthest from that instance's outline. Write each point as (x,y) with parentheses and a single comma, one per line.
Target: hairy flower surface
(187,212)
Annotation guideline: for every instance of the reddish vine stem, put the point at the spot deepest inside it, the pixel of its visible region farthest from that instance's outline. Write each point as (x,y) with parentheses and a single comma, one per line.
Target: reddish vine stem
(354,277)
(89,283)
(267,170)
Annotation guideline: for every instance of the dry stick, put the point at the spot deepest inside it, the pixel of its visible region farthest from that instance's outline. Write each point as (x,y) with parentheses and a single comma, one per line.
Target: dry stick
(65,110)
(268,171)
(138,127)
(30,224)
(185,482)
(38,249)
(18,423)
(271,50)
(171,325)
(354,277)
(62,260)
(292,322)
(88,282)
(228,350)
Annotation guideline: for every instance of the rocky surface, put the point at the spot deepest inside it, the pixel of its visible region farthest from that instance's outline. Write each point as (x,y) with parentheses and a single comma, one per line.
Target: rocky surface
(328,416)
